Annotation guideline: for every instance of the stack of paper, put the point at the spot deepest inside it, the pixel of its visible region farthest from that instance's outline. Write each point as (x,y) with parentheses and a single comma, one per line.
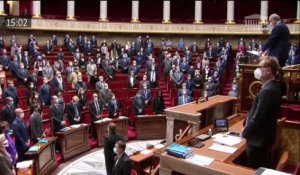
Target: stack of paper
(158,146)
(228,140)
(222,148)
(24,164)
(123,117)
(146,151)
(200,160)
(65,129)
(75,126)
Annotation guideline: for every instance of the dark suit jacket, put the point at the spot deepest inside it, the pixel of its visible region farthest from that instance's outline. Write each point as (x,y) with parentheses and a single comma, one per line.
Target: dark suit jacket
(8,114)
(36,128)
(109,144)
(138,104)
(72,113)
(261,123)
(93,110)
(123,166)
(11,92)
(57,116)
(112,108)
(26,61)
(188,99)
(21,135)
(56,84)
(45,94)
(5,164)
(21,74)
(279,43)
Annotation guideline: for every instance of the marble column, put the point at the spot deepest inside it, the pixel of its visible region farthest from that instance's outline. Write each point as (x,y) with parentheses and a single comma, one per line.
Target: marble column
(71,10)
(166,12)
(36,9)
(230,12)
(298,13)
(264,12)
(103,11)
(169,132)
(198,12)
(135,11)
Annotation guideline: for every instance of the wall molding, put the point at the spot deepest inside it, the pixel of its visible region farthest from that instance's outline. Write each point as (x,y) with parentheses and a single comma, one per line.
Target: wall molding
(118,27)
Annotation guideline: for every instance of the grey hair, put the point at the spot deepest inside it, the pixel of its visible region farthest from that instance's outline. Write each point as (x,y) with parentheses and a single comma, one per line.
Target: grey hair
(274,16)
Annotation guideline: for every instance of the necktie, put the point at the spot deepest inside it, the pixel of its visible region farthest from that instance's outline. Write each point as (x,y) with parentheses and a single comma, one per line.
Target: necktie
(153,76)
(76,110)
(97,107)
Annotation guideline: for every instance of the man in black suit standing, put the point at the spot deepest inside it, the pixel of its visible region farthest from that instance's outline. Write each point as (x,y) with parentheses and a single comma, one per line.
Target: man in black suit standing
(278,44)
(8,111)
(261,123)
(95,108)
(56,113)
(74,111)
(21,134)
(109,144)
(122,164)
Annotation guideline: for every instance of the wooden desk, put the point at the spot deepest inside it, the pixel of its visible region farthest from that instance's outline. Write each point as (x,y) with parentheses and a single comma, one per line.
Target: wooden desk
(223,163)
(150,127)
(44,159)
(73,141)
(179,117)
(101,129)
(139,160)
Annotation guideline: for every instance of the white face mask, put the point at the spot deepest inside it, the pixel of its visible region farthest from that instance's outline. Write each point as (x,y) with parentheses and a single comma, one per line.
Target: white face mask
(257,73)
(22,115)
(115,150)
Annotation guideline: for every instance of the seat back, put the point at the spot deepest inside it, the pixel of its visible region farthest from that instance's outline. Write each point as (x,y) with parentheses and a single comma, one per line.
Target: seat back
(282,161)
(280,124)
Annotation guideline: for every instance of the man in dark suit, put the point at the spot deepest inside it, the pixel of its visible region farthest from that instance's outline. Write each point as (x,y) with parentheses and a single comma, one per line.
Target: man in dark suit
(131,79)
(21,134)
(138,104)
(36,127)
(8,111)
(45,92)
(26,60)
(5,60)
(22,74)
(105,95)
(144,82)
(58,83)
(113,107)
(184,98)
(278,43)
(135,68)
(56,113)
(177,77)
(96,109)
(261,123)
(109,144)
(74,111)
(122,164)
(12,92)
(153,76)
(146,94)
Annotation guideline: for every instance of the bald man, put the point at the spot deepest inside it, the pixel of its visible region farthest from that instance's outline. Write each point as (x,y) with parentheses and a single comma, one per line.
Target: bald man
(21,134)
(56,113)
(74,111)
(278,44)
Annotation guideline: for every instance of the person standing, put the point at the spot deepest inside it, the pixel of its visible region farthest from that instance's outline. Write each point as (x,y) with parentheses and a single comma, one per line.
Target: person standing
(261,123)
(122,165)
(278,43)
(36,127)
(21,134)
(109,144)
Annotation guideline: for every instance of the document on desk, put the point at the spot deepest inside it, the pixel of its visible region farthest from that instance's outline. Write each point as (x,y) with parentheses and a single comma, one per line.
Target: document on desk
(200,160)
(222,148)
(24,164)
(228,140)
(146,151)
(266,171)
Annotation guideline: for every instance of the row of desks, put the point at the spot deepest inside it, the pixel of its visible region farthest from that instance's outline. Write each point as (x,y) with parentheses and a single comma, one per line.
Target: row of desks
(75,141)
